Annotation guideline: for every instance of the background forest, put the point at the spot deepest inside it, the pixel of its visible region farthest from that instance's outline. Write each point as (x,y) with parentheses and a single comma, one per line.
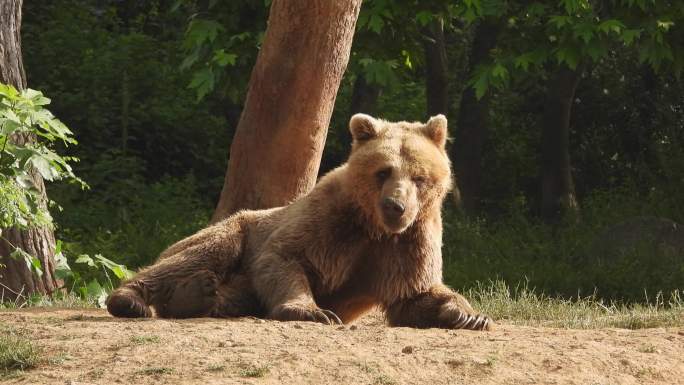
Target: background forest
(567,119)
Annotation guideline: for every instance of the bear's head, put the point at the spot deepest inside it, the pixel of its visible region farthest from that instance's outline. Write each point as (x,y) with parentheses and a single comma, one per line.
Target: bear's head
(399,172)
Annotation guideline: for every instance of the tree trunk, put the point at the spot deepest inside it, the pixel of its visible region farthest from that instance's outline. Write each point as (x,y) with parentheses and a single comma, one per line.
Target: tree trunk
(472,125)
(276,151)
(436,70)
(558,189)
(16,279)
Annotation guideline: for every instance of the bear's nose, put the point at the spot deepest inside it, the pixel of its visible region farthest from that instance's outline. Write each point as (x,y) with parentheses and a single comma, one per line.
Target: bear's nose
(392,207)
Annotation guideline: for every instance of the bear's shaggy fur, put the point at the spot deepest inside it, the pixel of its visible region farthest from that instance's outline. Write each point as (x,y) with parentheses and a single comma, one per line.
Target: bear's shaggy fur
(368,235)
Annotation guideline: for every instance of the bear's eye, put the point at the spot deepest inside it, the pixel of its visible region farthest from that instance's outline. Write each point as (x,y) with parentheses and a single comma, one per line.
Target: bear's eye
(419,180)
(383,174)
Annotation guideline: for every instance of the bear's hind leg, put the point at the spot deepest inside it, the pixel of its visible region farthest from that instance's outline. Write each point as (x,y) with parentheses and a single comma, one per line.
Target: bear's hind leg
(182,284)
(237,298)
(193,296)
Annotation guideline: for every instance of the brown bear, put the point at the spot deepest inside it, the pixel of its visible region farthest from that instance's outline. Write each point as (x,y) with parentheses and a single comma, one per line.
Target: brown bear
(368,235)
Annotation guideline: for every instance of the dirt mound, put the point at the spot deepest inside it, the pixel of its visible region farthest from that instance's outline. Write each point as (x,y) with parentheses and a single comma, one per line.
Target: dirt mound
(90,347)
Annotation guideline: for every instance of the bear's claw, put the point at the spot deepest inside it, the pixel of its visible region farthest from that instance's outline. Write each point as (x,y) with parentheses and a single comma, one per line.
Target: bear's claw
(302,313)
(472,322)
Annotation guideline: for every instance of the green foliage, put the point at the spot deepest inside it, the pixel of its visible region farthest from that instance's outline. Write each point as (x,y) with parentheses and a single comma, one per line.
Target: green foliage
(127,218)
(119,87)
(575,32)
(90,277)
(221,49)
(380,72)
(564,261)
(28,132)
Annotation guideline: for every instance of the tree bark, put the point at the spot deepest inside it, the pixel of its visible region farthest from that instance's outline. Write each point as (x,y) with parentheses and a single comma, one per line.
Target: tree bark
(436,68)
(472,124)
(558,189)
(276,151)
(16,279)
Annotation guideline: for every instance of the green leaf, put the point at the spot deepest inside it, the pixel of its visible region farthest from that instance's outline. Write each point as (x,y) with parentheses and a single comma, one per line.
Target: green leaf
(380,72)
(94,288)
(119,270)
(191,59)
(596,50)
(96,291)
(36,97)
(200,31)
(523,61)
(122,273)
(8,127)
(559,21)
(611,25)
(499,71)
(32,263)
(12,116)
(222,58)
(480,82)
(469,15)
(584,31)
(664,24)
(46,169)
(84,258)
(375,23)
(202,82)
(568,55)
(407,59)
(62,268)
(629,35)
(536,9)
(8,91)
(424,18)
(37,266)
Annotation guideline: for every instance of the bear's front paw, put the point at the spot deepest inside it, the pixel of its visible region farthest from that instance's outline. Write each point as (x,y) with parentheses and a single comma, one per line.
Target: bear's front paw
(296,312)
(452,316)
(124,302)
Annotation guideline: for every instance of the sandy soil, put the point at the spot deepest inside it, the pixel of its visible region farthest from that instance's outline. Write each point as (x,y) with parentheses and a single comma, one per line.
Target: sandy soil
(85,346)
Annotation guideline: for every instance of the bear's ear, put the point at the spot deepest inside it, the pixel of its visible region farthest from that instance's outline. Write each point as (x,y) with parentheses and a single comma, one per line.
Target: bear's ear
(363,127)
(436,129)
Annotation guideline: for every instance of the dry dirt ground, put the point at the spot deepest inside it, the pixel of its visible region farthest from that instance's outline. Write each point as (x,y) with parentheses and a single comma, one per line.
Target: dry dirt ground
(84,346)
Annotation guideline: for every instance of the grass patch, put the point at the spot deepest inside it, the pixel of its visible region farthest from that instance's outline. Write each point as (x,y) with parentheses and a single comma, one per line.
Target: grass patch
(379,378)
(155,371)
(70,300)
(648,349)
(216,368)
(143,340)
(384,380)
(491,361)
(523,306)
(17,353)
(254,371)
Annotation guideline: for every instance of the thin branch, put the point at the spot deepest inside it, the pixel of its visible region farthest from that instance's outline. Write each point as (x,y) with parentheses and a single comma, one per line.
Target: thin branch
(19,294)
